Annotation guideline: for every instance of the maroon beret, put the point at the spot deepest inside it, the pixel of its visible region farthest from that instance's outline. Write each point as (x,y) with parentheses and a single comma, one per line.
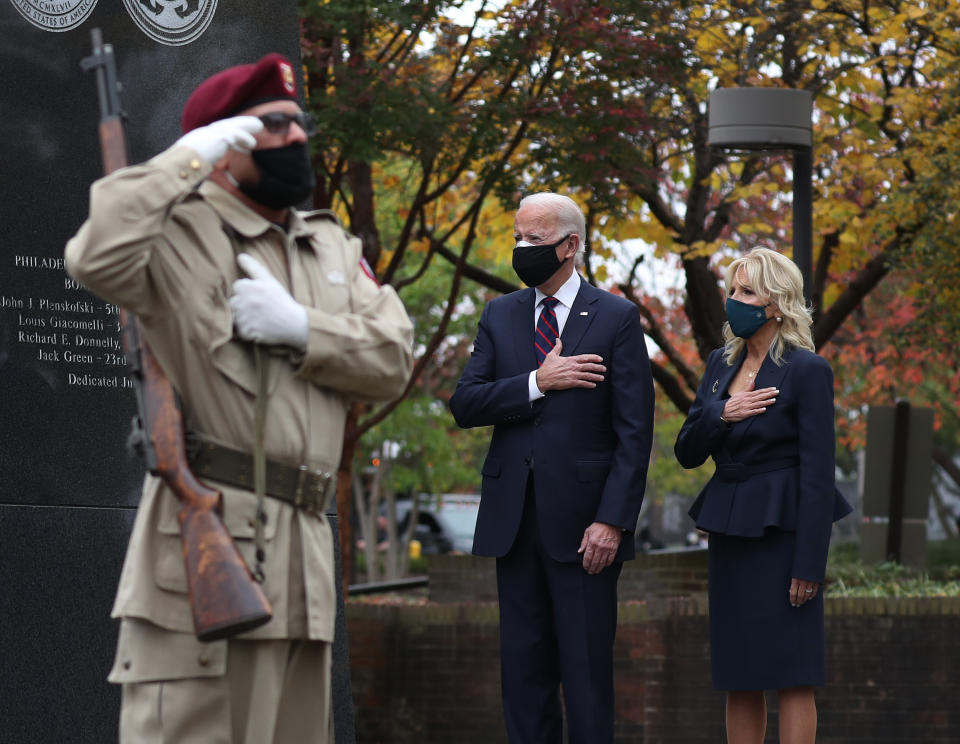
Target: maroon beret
(238,88)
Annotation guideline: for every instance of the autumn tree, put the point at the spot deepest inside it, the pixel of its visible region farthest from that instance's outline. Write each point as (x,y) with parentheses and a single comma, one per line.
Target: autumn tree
(432,127)
(412,104)
(883,77)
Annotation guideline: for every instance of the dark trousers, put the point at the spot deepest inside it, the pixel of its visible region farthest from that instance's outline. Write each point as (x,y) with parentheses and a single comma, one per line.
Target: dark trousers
(557,626)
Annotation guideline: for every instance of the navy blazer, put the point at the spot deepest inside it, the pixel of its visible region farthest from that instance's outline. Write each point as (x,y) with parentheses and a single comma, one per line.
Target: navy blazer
(588,448)
(775,469)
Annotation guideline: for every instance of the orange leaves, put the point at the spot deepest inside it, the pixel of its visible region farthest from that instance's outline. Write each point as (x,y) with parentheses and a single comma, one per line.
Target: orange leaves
(608,101)
(881,356)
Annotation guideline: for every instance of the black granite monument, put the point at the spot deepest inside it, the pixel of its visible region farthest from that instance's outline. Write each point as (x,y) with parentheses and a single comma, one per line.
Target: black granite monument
(68,485)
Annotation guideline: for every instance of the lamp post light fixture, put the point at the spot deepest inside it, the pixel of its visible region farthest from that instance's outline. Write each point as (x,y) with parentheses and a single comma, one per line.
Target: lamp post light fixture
(773,119)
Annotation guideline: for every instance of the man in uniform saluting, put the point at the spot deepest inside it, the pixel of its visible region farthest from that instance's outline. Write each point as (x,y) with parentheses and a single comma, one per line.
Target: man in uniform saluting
(202,243)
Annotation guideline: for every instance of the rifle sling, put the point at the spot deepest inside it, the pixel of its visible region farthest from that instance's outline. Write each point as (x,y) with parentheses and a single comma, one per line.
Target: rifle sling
(298,485)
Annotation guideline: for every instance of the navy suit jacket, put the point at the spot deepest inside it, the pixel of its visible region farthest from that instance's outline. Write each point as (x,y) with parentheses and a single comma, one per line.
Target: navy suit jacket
(587,448)
(775,469)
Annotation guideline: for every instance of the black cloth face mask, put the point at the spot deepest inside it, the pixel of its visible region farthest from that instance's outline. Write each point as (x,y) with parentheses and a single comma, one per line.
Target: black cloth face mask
(286,176)
(534,264)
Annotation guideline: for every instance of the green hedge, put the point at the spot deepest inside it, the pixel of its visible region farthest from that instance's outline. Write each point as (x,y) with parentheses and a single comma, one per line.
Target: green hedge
(847,576)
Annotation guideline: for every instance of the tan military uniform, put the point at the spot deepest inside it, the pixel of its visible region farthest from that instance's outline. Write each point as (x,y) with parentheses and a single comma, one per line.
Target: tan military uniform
(162,242)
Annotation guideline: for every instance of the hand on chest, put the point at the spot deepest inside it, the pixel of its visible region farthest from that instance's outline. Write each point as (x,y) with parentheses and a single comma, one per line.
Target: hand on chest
(314,275)
(779,419)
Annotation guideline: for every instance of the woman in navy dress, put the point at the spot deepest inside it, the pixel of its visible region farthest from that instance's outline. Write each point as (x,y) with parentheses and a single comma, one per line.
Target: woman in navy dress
(764,413)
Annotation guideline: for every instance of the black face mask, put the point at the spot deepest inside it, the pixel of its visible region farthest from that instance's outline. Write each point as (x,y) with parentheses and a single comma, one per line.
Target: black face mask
(535,264)
(286,176)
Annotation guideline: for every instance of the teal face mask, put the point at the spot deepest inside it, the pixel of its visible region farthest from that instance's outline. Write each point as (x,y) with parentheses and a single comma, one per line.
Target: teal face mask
(744,319)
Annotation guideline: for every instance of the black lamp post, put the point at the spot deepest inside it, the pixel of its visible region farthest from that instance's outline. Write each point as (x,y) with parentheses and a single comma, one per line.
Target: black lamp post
(773,119)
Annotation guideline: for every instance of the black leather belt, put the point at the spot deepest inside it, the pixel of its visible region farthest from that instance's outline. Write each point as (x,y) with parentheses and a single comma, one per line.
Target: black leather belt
(737,472)
(298,485)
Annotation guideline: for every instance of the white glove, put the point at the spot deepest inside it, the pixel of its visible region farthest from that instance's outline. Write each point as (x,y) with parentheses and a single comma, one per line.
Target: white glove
(263,311)
(213,140)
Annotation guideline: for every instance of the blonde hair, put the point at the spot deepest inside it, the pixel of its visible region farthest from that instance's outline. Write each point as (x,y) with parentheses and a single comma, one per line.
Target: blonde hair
(776,279)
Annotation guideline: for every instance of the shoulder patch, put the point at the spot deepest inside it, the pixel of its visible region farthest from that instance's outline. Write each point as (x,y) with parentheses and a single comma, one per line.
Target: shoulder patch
(365,267)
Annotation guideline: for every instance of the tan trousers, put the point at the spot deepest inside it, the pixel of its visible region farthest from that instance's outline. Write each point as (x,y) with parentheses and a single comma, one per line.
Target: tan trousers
(273,692)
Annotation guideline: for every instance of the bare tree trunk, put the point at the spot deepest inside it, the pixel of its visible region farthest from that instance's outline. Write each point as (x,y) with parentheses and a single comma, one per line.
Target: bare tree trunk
(704,305)
(391,571)
(363,221)
(363,518)
(371,511)
(344,489)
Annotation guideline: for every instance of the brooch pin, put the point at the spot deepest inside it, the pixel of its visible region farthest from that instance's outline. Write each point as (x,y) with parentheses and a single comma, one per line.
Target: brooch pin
(715,384)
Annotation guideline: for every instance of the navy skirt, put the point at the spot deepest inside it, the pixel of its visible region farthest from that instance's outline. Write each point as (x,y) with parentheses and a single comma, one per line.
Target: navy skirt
(757,640)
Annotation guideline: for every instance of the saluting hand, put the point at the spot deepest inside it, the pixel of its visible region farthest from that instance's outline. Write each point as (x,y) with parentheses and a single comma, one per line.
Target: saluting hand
(749,403)
(562,373)
(212,141)
(263,310)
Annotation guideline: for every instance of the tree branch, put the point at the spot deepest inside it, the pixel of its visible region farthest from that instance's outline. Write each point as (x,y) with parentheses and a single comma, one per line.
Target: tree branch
(671,386)
(419,200)
(943,459)
(480,276)
(703,304)
(655,332)
(827,248)
(866,279)
(438,335)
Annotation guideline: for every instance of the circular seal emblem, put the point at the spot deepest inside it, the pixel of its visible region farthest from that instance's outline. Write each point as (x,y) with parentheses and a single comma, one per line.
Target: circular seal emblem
(171,22)
(55,15)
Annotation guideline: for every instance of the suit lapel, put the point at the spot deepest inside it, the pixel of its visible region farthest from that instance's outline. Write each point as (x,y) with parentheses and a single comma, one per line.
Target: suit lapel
(769,375)
(724,375)
(523,330)
(581,315)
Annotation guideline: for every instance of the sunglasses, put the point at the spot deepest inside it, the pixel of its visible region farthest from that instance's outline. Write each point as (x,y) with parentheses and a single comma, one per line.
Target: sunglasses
(277,122)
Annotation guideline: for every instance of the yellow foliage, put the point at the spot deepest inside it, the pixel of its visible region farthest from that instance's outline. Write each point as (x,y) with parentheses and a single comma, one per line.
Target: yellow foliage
(875,119)
(385,256)
(421,245)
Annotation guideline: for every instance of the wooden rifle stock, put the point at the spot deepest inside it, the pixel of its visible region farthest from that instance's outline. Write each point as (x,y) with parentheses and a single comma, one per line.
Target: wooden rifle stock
(224,596)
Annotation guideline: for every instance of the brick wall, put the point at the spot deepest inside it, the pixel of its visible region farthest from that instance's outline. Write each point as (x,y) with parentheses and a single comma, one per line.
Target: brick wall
(430,673)
(666,573)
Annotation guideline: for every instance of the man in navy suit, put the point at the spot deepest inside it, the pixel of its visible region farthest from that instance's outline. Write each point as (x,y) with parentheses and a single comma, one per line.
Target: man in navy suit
(561,372)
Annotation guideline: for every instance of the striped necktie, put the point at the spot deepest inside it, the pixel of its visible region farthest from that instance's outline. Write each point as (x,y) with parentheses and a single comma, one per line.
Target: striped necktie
(547,330)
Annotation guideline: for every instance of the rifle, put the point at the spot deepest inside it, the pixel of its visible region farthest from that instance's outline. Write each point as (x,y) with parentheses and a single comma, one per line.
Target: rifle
(225,598)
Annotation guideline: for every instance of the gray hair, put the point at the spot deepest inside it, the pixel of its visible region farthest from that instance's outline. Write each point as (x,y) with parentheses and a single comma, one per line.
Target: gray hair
(569,215)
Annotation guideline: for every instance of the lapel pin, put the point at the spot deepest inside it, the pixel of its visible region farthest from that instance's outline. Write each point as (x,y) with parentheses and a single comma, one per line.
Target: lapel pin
(584,312)
(715,384)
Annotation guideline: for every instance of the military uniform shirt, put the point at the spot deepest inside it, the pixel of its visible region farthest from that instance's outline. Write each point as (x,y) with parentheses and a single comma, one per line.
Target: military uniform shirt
(162,241)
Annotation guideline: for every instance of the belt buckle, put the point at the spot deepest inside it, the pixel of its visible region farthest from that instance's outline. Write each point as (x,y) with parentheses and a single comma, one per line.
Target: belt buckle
(302,472)
(311,489)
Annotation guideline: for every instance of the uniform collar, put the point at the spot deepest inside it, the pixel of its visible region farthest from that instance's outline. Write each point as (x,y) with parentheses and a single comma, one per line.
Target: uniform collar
(244,220)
